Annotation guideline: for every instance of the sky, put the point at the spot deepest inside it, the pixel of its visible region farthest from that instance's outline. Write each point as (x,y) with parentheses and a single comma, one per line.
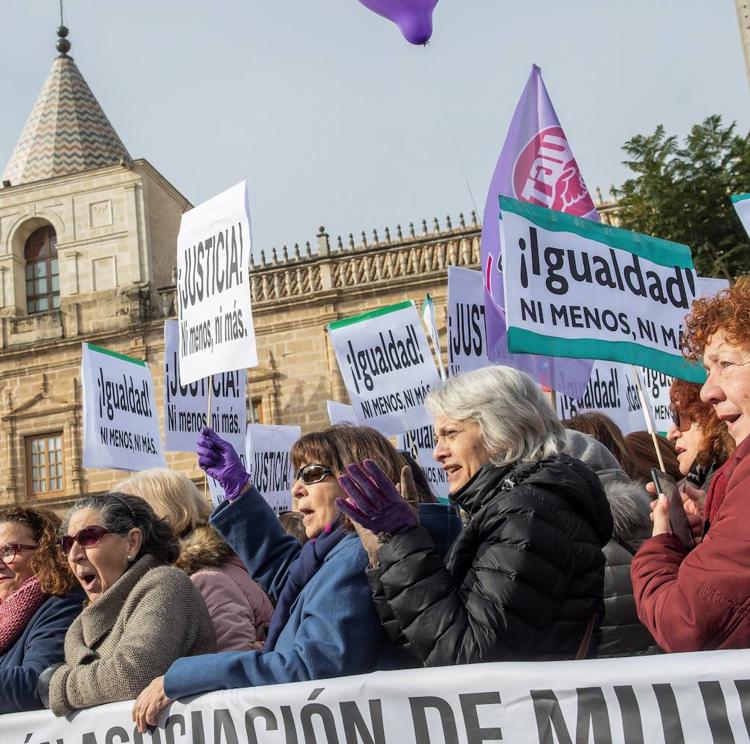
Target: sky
(335,120)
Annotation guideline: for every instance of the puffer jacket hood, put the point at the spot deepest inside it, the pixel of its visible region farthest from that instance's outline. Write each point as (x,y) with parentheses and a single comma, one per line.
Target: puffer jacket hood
(562,474)
(629,504)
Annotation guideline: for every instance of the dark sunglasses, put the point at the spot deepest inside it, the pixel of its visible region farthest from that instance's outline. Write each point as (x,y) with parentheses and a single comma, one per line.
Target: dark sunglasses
(86,538)
(312,473)
(9,551)
(675,416)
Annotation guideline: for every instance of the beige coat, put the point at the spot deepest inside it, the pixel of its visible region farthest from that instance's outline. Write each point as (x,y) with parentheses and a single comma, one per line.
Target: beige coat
(130,635)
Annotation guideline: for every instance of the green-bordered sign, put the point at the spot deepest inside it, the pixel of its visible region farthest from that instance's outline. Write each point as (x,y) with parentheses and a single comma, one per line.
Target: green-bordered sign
(577,288)
(120,420)
(387,366)
(741,204)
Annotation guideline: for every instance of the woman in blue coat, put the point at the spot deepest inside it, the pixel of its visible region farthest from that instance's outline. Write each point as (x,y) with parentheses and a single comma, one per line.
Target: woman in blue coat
(324,624)
(38,603)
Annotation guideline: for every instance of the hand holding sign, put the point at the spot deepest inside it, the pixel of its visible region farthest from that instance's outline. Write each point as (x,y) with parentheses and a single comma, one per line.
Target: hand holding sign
(374,502)
(217,458)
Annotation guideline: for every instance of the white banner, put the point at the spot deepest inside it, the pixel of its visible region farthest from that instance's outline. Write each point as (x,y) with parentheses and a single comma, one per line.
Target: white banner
(420,443)
(269,464)
(467,337)
(120,421)
(387,366)
(673,699)
(741,204)
(612,391)
(213,287)
(577,288)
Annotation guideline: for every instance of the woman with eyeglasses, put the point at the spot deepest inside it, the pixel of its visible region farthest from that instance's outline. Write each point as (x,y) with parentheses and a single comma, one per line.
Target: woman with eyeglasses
(239,609)
(39,599)
(324,624)
(702,442)
(141,615)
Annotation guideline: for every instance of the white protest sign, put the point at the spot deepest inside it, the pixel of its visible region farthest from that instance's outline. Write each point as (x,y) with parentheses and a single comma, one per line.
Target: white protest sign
(420,444)
(691,698)
(430,320)
(467,337)
(269,464)
(387,367)
(577,288)
(186,406)
(709,286)
(213,287)
(612,391)
(741,204)
(340,413)
(120,421)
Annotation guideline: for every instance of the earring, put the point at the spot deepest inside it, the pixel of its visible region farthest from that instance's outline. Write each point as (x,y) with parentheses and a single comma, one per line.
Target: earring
(129,559)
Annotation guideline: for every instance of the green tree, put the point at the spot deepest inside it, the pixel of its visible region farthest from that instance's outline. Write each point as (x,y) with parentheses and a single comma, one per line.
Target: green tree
(681,193)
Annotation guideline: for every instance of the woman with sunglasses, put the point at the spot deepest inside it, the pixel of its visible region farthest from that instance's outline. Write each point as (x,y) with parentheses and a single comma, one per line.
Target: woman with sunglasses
(324,624)
(142,613)
(702,442)
(39,599)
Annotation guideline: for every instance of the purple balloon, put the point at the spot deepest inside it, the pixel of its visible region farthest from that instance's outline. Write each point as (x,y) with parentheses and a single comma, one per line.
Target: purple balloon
(413,17)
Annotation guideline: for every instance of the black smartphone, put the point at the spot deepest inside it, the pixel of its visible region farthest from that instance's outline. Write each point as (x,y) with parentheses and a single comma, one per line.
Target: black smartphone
(678,520)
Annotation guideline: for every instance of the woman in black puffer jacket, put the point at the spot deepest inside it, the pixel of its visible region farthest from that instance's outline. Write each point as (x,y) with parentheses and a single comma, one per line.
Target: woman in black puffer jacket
(524,579)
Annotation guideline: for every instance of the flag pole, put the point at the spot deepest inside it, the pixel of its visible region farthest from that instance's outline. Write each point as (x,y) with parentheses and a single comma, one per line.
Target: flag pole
(646,406)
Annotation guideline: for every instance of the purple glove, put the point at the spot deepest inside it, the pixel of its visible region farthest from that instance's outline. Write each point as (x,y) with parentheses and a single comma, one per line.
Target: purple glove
(373,500)
(218,459)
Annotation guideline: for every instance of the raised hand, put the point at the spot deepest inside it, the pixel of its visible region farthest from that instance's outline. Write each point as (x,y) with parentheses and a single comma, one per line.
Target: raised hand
(219,459)
(374,502)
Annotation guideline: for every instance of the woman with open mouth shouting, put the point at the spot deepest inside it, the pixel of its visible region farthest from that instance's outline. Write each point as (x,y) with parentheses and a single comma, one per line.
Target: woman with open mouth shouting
(324,624)
(142,613)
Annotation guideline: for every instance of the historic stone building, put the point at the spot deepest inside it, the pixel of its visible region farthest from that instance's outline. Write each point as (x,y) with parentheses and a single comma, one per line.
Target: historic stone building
(87,253)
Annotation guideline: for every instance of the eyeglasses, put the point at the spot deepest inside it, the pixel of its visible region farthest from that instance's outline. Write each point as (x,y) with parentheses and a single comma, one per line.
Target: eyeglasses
(312,473)
(86,538)
(9,551)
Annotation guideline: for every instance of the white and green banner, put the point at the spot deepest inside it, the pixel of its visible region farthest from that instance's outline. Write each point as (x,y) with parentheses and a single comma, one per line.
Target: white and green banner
(120,420)
(741,204)
(387,366)
(576,288)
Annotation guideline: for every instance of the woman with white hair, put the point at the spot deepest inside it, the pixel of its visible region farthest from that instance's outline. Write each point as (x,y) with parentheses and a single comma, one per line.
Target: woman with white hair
(524,579)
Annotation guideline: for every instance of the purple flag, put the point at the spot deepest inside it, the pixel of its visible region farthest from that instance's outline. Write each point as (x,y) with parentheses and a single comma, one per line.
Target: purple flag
(536,165)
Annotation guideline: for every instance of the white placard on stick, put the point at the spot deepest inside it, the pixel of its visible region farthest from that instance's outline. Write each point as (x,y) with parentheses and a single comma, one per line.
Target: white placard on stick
(186,406)
(741,204)
(340,413)
(467,337)
(576,288)
(387,366)
(213,287)
(120,420)
(269,464)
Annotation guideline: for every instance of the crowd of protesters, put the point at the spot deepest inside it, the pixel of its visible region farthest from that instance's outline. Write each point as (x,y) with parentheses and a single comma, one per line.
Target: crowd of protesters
(555,546)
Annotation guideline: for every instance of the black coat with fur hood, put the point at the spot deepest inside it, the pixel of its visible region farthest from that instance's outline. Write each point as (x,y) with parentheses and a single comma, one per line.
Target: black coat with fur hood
(523,579)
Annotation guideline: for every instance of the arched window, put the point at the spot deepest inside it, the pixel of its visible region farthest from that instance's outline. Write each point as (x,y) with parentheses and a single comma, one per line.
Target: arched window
(42,273)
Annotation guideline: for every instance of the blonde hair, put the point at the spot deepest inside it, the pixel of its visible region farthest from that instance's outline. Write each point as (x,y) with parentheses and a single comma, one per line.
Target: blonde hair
(172,496)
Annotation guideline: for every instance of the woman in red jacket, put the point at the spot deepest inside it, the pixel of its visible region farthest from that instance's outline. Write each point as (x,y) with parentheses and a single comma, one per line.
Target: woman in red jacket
(699,599)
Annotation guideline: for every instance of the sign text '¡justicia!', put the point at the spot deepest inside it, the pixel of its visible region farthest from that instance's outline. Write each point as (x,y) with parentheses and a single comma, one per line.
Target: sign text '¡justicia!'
(211,266)
(615,273)
(126,396)
(389,355)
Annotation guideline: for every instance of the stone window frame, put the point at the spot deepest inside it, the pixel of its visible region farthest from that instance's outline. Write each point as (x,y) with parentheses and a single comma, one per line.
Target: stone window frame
(49,262)
(29,440)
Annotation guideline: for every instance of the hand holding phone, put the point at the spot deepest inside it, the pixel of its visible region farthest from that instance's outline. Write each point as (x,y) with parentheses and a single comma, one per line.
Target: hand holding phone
(678,520)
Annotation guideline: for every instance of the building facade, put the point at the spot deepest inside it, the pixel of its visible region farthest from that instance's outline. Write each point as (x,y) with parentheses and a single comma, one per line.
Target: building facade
(87,253)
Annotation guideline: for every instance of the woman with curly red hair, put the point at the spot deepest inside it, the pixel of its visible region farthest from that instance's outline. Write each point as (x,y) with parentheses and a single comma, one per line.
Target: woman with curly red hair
(699,599)
(38,603)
